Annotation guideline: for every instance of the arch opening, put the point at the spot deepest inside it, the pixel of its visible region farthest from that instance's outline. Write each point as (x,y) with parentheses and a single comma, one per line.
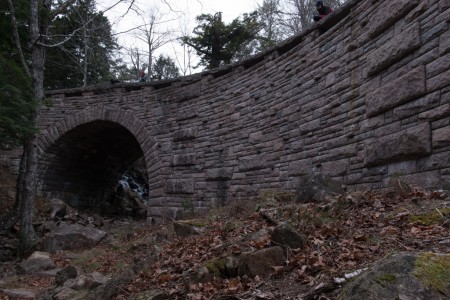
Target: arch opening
(85,165)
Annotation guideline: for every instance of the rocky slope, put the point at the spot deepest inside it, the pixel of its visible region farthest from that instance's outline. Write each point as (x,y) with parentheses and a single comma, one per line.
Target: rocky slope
(273,247)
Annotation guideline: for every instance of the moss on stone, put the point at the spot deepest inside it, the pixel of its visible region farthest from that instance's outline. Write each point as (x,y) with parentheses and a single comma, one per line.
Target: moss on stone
(194,222)
(433,217)
(216,266)
(386,278)
(434,270)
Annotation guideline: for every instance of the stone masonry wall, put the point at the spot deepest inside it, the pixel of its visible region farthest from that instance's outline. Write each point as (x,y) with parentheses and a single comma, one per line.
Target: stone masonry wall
(363,96)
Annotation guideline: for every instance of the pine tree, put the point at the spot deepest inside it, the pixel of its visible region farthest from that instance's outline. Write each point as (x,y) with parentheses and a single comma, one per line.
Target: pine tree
(218,43)
(88,56)
(164,68)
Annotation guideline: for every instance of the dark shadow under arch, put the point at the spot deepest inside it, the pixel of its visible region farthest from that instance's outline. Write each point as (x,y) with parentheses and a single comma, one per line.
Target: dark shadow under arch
(82,163)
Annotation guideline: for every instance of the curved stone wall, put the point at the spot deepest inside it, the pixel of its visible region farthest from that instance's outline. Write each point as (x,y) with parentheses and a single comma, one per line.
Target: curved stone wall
(363,96)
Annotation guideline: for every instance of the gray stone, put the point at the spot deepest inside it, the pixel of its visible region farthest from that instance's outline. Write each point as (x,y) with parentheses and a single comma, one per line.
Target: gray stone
(387,14)
(430,179)
(436,113)
(409,86)
(443,5)
(186,228)
(219,174)
(95,279)
(189,112)
(428,102)
(286,236)
(399,277)
(252,163)
(72,236)
(396,49)
(19,294)
(335,168)
(300,167)
(441,137)
(185,134)
(48,273)
(65,274)
(438,82)
(86,282)
(33,265)
(438,66)
(180,186)
(40,254)
(411,143)
(58,208)
(184,159)
(66,293)
(261,262)
(316,188)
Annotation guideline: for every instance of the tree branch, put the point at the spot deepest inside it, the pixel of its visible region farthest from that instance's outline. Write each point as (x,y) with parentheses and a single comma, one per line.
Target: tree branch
(61,9)
(17,38)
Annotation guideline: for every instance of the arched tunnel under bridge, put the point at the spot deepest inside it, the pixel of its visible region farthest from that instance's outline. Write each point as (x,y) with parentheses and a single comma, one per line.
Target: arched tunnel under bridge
(84,165)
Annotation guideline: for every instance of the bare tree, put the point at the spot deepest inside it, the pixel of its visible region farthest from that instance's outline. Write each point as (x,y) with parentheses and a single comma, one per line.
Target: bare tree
(271,18)
(298,14)
(185,61)
(152,32)
(135,56)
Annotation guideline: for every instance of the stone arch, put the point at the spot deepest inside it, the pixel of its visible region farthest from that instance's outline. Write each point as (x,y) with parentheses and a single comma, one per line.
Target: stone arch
(114,116)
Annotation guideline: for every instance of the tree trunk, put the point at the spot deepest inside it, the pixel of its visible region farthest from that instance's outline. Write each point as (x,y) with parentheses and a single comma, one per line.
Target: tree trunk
(12,217)
(85,63)
(27,186)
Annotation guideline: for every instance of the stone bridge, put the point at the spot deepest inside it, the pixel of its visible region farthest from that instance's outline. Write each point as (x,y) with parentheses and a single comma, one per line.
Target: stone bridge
(363,97)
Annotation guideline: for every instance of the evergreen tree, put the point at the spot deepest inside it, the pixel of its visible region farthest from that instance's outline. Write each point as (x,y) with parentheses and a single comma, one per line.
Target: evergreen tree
(16,100)
(218,44)
(16,105)
(87,57)
(164,68)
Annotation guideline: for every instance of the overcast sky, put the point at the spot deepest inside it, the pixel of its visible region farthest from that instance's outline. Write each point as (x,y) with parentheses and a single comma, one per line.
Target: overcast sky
(182,12)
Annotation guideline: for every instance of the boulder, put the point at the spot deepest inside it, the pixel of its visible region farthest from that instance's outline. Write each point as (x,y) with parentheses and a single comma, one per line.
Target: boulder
(18,294)
(72,236)
(38,261)
(65,293)
(286,236)
(261,262)
(186,228)
(95,279)
(225,267)
(403,276)
(65,274)
(314,188)
(58,208)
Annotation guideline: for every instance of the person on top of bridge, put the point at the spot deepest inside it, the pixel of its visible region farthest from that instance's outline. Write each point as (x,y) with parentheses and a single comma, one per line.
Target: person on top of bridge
(142,77)
(323,11)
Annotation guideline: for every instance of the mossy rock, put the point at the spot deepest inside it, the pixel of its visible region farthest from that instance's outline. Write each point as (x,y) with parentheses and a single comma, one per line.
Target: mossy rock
(433,217)
(434,270)
(403,276)
(224,267)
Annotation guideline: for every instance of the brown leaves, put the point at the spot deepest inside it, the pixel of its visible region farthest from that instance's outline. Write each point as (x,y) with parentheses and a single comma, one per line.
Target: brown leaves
(344,235)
